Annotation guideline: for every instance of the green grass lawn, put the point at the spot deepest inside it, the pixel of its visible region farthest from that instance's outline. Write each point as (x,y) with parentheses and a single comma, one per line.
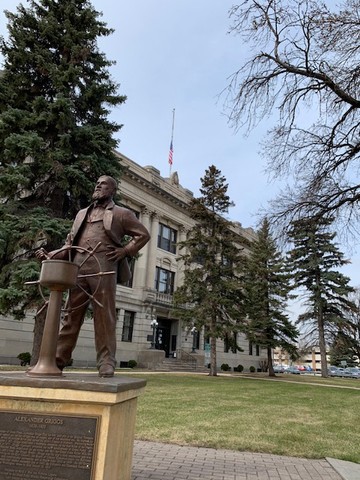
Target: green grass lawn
(289,416)
(305,416)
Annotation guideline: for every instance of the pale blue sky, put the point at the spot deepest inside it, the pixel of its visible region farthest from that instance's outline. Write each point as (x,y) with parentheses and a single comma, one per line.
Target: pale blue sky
(178,54)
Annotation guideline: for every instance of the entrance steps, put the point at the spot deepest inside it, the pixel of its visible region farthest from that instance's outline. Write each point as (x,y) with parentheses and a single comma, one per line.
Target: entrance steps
(177,365)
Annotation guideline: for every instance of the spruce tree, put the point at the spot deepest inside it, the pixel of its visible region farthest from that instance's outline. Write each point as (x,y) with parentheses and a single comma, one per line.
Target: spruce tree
(55,137)
(341,351)
(211,295)
(346,342)
(267,291)
(314,260)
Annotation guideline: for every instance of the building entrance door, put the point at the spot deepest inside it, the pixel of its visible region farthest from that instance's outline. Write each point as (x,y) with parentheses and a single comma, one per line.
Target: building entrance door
(163,336)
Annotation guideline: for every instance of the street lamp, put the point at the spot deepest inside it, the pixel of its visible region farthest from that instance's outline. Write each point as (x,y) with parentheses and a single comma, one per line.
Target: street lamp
(154,324)
(193,332)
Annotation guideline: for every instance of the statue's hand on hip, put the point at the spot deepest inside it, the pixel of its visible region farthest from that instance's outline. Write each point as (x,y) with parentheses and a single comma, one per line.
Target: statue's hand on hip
(115,254)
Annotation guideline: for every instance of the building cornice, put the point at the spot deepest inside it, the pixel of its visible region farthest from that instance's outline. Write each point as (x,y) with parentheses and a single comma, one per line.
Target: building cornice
(168,190)
(149,179)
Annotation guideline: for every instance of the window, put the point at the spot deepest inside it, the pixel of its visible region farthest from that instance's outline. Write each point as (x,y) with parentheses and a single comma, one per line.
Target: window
(167,238)
(206,336)
(251,348)
(230,342)
(164,281)
(199,253)
(227,268)
(131,261)
(128,326)
(225,261)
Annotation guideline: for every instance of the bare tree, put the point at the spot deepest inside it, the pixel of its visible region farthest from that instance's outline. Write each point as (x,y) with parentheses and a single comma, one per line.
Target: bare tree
(305,65)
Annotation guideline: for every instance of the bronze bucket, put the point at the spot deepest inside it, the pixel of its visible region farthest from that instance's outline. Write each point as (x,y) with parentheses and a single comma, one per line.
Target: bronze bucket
(58,274)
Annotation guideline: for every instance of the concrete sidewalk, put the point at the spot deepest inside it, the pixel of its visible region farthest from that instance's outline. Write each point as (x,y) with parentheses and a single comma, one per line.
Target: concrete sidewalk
(159,461)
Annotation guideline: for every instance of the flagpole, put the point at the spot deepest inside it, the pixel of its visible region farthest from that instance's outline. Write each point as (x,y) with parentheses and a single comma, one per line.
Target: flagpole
(171,142)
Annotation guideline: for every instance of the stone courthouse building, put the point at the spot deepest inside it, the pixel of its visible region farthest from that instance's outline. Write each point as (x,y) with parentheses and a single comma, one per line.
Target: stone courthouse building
(161,204)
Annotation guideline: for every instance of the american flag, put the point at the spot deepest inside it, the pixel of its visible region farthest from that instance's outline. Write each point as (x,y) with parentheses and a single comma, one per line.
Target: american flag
(171,153)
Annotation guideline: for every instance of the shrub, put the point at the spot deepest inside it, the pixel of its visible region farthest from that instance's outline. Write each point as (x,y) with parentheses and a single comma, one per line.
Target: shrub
(132,363)
(252,369)
(25,358)
(239,368)
(225,367)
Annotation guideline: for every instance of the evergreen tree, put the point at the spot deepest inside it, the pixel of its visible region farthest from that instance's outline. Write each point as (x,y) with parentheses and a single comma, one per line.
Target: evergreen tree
(346,344)
(341,351)
(267,288)
(55,139)
(211,295)
(314,259)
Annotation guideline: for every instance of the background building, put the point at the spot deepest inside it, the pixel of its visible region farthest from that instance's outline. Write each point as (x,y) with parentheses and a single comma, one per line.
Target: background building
(161,204)
(311,358)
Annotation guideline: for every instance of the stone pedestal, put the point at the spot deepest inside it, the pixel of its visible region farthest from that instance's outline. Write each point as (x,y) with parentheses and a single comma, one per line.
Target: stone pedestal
(150,358)
(200,359)
(79,426)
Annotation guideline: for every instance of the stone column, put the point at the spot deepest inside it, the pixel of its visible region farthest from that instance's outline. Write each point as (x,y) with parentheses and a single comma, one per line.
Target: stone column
(119,325)
(151,257)
(142,261)
(179,280)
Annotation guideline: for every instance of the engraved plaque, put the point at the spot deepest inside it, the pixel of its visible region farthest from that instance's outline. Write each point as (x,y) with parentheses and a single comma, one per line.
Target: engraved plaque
(47,447)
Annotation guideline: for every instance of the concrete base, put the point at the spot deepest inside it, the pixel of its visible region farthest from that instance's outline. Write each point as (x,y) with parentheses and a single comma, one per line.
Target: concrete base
(150,358)
(200,359)
(77,426)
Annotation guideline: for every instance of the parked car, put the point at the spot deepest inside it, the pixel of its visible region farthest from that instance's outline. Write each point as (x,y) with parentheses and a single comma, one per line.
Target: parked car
(294,370)
(332,371)
(278,369)
(340,372)
(353,372)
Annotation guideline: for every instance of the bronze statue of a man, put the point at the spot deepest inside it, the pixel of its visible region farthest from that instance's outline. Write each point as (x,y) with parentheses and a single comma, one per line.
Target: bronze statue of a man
(103,221)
